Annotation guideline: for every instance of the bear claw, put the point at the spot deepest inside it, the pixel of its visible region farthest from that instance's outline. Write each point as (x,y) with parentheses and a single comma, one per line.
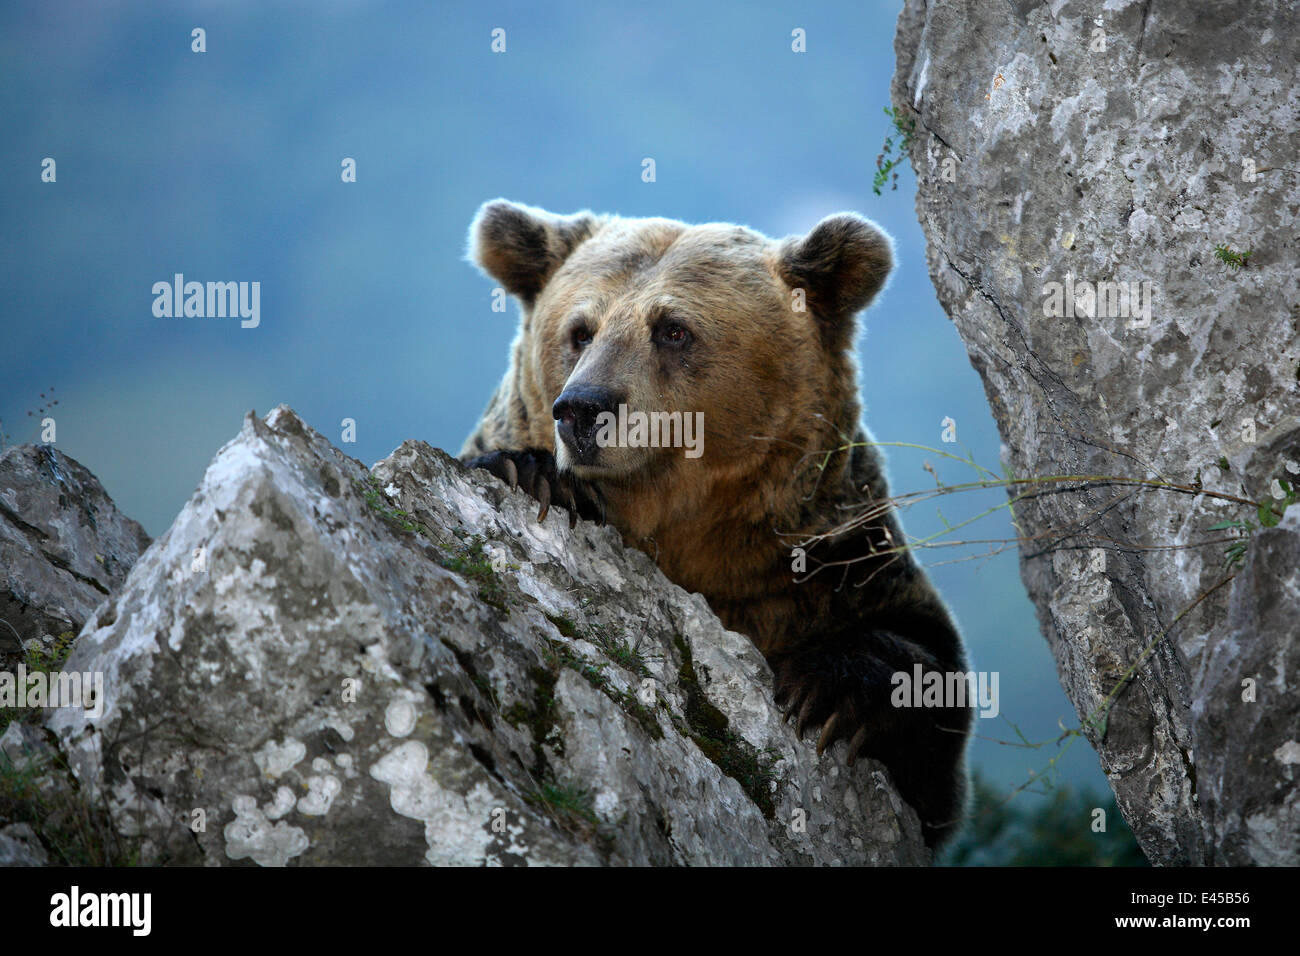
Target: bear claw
(544,497)
(804,713)
(856,744)
(828,733)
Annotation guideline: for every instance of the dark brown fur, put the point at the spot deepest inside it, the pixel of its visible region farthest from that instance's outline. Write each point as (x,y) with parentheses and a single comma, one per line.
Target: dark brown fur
(784,462)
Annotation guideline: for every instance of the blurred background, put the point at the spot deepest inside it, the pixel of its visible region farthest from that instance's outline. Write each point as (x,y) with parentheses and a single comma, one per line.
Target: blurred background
(225,165)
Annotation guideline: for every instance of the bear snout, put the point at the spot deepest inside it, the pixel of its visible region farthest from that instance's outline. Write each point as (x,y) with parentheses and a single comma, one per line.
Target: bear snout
(577,412)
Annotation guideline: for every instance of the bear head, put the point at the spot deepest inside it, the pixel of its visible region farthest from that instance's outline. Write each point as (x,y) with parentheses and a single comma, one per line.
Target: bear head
(707,325)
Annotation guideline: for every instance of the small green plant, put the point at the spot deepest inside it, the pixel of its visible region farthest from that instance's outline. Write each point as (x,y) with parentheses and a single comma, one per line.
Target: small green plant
(466,557)
(1235,553)
(399,519)
(50,661)
(886,173)
(571,806)
(564,624)
(1235,260)
(609,638)
(624,653)
(470,560)
(591,671)
(37,659)
(1269,513)
(559,654)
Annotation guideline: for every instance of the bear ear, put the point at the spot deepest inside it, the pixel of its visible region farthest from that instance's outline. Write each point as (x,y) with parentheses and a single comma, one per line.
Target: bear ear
(521,246)
(840,265)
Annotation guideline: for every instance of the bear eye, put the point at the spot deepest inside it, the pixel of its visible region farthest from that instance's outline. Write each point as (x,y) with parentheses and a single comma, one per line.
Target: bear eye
(581,338)
(673,334)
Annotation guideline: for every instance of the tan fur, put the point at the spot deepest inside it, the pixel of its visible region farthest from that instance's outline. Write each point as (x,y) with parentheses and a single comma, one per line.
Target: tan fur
(778,390)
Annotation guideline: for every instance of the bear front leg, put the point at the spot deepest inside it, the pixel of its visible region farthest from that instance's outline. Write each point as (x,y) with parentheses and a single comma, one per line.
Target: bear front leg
(535,471)
(845,686)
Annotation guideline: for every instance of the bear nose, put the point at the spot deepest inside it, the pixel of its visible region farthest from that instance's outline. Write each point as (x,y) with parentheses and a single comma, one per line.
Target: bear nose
(577,411)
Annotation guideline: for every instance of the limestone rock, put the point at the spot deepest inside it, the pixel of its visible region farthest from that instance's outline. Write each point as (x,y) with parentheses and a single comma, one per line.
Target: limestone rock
(1058,144)
(64,546)
(19,846)
(318,664)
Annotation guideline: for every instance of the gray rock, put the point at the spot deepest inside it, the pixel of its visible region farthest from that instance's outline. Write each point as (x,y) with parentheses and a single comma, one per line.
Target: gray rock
(1048,152)
(64,546)
(23,748)
(19,846)
(1248,734)
(36,789)
(320,665)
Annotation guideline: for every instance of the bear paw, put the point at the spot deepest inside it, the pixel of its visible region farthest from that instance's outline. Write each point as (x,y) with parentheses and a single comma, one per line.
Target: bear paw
(535,471)
(838,692)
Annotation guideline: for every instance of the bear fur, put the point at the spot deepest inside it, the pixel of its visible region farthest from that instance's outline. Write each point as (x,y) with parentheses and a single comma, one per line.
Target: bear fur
(757,335)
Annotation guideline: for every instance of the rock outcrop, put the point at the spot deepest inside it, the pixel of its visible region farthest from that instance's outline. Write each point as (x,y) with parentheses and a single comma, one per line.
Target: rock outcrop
(64,546)
(320,664)
(19,846)
(1063,145)
(32,785)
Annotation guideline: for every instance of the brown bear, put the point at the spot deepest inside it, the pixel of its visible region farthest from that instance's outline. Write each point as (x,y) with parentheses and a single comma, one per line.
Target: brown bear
(776,509)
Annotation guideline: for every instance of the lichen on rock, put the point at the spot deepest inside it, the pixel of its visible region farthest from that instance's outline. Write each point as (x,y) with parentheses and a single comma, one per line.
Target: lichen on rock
(401,665)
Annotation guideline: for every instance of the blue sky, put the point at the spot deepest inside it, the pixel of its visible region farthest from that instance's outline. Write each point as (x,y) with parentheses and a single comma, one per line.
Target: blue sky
(225,166)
